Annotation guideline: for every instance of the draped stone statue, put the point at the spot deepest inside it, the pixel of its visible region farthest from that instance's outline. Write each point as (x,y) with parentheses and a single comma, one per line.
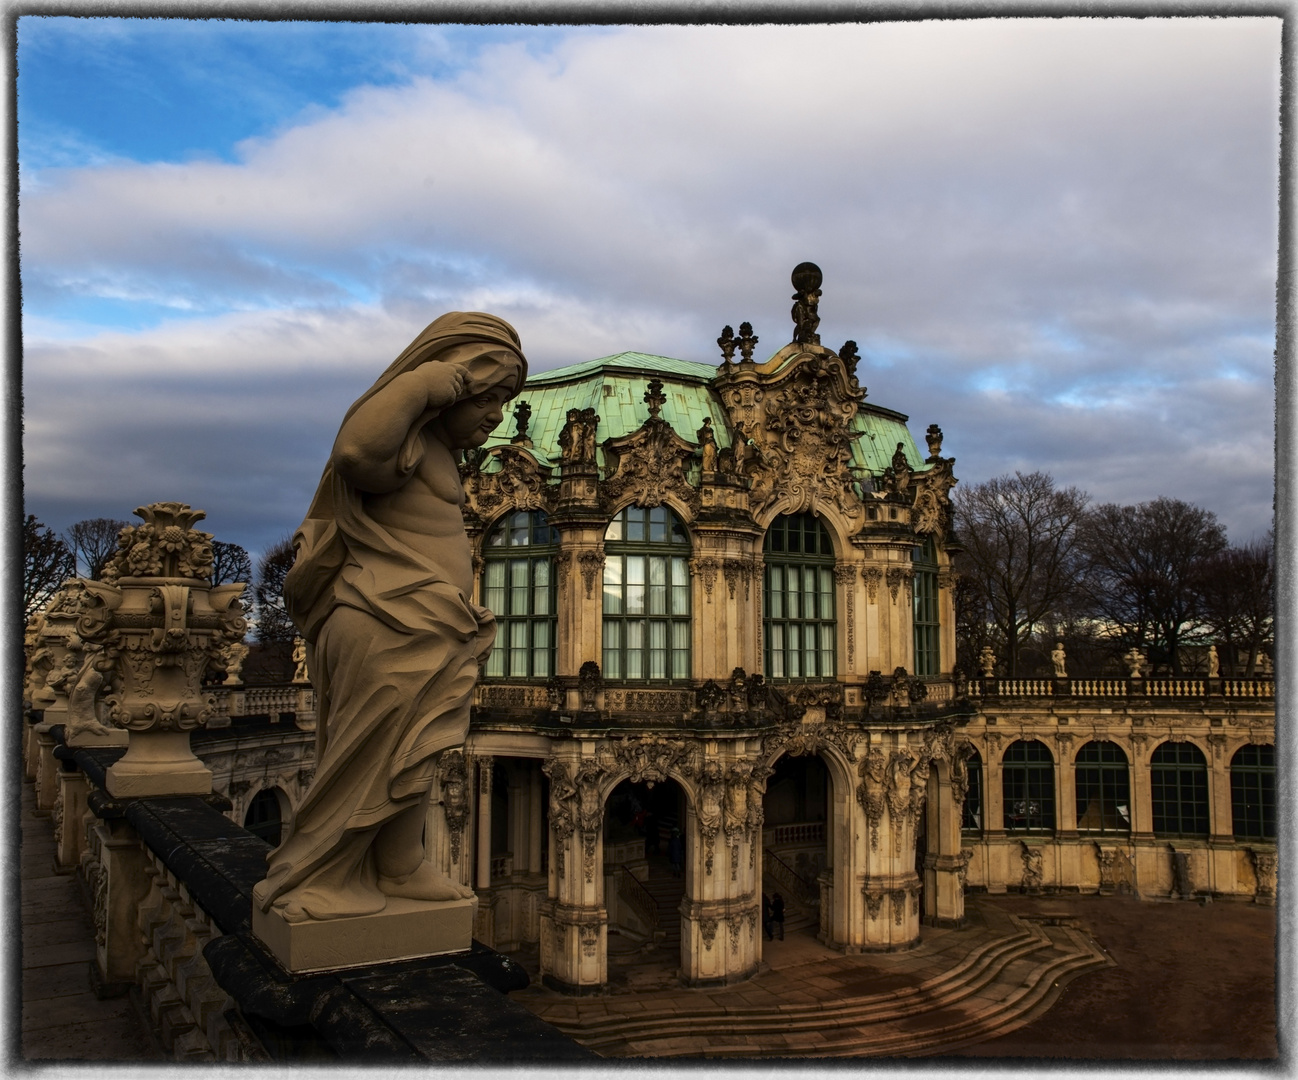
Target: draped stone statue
(380,594)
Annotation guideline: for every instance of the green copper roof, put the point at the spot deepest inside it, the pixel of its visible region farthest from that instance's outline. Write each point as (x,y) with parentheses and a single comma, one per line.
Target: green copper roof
(614,386)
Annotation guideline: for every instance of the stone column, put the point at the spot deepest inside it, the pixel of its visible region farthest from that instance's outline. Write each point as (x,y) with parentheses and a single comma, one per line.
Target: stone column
(118,879)
(894,781)
(483,875)
(943,862)
(721,911)
(47,770)
(579,570)
(574,922)
(534,819)
(70,815)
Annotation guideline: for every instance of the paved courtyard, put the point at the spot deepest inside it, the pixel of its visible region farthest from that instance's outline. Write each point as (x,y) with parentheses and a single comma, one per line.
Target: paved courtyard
(1164,980)
(1055,977)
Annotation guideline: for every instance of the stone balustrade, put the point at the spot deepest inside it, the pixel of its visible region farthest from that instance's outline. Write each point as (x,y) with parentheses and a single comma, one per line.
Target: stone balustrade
(170,880)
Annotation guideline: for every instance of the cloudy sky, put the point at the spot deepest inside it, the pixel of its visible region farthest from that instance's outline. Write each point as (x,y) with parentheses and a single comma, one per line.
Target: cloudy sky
(1055,238)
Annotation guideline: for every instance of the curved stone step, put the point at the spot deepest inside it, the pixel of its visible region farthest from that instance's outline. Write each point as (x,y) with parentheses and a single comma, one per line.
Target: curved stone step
(888,1023)
(974,970)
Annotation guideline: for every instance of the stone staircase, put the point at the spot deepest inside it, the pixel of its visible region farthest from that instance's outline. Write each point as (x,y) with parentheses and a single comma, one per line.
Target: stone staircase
(667,892)
(1008,979)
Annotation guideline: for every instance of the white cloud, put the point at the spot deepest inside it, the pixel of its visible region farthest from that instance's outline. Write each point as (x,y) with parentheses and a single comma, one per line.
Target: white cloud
(1076,210)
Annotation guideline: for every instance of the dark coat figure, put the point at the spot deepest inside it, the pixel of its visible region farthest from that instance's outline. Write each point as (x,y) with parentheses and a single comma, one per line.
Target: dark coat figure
(676,852)
(777,913)
(766,918)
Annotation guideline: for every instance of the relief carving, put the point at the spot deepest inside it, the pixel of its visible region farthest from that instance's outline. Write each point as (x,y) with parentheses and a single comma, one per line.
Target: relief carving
(649,464)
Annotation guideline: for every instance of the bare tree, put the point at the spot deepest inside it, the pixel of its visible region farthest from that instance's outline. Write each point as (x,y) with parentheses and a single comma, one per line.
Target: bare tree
(93,542)
(1237,591)
(47,563)
(273,622)
(1021,561)
(230,563)
(1146,564)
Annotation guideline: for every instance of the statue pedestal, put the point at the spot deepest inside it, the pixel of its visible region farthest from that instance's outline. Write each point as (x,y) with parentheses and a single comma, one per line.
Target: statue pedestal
(158,763)
(404,930)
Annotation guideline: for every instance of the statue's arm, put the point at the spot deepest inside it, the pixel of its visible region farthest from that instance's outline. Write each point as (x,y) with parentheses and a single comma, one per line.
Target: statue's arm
(367,452)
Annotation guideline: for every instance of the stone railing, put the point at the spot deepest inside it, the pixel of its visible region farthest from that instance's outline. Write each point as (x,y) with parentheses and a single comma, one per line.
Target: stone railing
(170,881)
(293,700)
(632,893)
(807,832)
(806,893)
(1194,688)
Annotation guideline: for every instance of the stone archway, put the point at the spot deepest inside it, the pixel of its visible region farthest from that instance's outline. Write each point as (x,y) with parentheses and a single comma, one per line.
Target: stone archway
(644,869)
(797,839)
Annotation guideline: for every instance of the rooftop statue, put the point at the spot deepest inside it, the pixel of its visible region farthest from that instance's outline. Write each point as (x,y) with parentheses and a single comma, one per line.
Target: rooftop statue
(380,592)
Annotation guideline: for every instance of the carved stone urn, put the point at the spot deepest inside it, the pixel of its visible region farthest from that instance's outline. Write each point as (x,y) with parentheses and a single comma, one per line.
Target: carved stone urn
(161,625)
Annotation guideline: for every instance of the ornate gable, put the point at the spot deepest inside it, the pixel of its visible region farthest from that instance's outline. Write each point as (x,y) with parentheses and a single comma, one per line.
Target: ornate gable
(520,483)
(650,463)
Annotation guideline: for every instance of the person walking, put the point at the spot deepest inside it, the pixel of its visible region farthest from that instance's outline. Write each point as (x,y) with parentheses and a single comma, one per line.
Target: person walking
(676,852)
(766,918)
(777,913)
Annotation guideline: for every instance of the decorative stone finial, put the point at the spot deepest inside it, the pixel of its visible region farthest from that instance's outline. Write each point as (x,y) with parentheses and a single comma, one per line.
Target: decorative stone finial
(655,398)
(933,436)
(747,340)
(522,417)
(806,279)
(727,343)
(166,545)
(849,356)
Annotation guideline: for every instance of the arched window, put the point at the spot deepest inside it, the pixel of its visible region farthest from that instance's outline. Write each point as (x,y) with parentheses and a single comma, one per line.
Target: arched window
(646,595)
(924,562)
(1103,788)
(518,588)
(971,817)
(798,602)
(1028,786)
(1178,781)
(264,818)
(1252,792)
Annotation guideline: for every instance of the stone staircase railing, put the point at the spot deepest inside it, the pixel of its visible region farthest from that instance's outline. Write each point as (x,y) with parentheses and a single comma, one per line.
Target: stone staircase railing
(804,892)
(632,893)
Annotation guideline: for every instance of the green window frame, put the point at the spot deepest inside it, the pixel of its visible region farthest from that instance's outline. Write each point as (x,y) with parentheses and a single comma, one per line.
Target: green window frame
(928,659)
(518,586)
(799,624)
(1252,793)
(1028,787)
(646,626)
(1103,780)
(1178,787)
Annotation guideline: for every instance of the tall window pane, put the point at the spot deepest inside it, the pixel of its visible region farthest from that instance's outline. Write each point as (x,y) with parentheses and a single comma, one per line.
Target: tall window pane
(1103,788)
(1252,792)
(927,631)
(1028,779)
(646,596)
(517,586)
(799,627)
(1178,781)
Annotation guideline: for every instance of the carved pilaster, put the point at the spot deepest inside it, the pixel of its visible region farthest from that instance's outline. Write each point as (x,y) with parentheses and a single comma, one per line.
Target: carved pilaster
(591,562)
(845,575)
(705,569)
(872,575)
